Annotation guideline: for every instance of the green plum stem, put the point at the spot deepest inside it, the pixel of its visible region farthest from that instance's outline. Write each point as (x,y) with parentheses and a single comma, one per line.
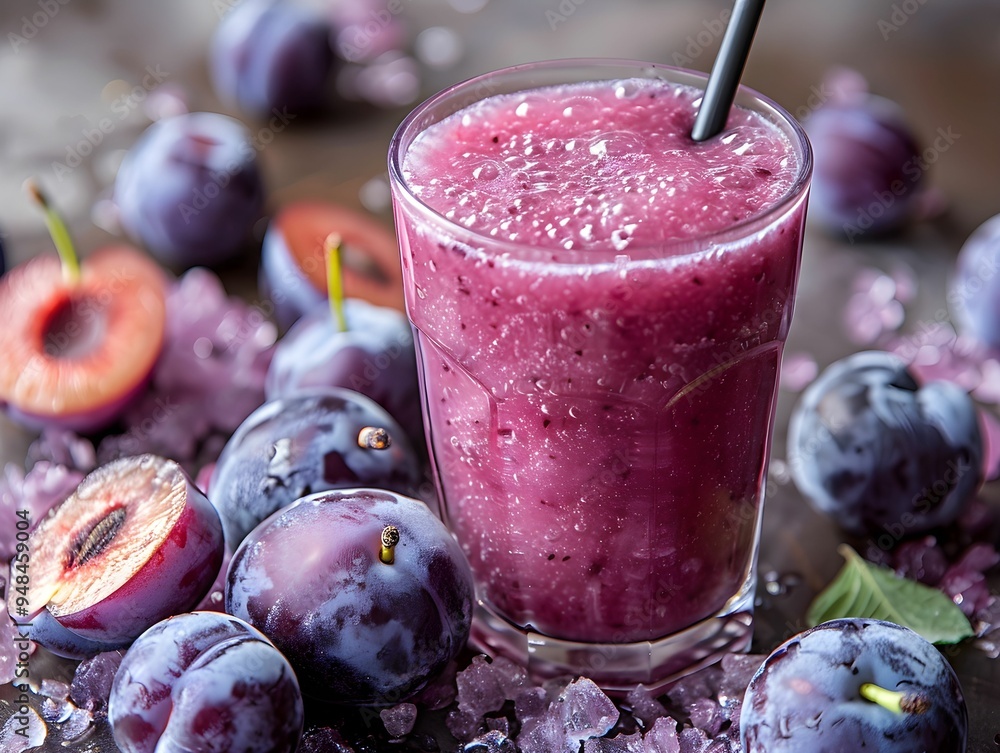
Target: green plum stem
(59,232)
(894,700)
(335,279)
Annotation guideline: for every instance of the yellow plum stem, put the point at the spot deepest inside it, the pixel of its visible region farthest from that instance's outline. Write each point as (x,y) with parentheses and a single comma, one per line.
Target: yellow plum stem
(335,279)
(59,232)
(894,700)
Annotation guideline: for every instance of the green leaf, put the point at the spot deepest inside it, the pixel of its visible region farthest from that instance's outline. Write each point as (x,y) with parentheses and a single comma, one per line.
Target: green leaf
(862,589)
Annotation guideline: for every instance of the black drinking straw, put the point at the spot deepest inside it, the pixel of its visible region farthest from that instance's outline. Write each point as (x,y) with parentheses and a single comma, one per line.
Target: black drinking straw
(727,70)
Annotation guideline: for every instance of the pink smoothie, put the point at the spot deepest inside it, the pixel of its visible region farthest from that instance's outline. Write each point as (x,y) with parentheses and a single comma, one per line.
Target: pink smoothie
(599,374)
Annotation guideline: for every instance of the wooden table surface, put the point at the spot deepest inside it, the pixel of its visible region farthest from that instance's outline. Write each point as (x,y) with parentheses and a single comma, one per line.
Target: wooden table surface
(64,64)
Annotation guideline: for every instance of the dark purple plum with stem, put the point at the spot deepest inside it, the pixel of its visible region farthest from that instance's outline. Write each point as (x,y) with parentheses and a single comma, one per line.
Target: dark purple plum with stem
(190,189)
(205,681)
(975,290)
(867,170)
(878,452)
(353,344)
(314,440)
(852,685)
(272,55)
(366,592)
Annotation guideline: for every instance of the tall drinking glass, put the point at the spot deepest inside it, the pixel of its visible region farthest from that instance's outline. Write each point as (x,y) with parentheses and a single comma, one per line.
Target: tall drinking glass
(600,306)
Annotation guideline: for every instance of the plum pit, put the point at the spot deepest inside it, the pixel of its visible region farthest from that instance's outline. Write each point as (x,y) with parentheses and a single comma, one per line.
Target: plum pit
(91,542)
(74,328)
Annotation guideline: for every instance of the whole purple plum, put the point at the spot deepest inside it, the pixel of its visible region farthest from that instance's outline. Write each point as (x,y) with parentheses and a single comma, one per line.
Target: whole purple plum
(882,454)
(190,189)
(205,681)
(271,55)
(851,685)
(975,291)
(868,170)
(366,592)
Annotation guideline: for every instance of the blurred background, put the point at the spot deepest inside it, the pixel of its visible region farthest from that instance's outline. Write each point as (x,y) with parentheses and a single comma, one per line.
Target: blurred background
(68,65)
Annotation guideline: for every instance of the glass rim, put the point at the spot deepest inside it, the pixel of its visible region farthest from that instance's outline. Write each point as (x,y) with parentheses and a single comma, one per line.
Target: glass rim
(673,248)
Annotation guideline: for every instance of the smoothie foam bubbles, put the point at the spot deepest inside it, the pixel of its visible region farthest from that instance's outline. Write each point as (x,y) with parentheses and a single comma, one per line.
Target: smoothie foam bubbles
(597,166)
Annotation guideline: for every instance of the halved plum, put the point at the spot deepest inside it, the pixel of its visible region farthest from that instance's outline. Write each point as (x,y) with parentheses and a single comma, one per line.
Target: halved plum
(76,353)
(293,261)
(134,544)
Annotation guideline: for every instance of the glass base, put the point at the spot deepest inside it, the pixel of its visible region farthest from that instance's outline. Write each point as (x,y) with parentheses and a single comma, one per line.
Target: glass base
(619,667)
